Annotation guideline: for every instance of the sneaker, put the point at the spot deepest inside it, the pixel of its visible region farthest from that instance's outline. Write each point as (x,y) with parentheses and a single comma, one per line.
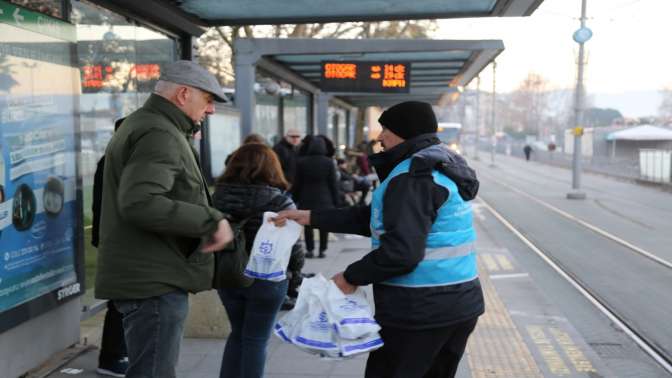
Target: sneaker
(115,369)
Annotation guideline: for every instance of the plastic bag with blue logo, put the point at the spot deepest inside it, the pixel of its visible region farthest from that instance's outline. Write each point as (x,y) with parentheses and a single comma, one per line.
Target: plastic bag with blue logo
(307,326)
(351,314)
(272,249)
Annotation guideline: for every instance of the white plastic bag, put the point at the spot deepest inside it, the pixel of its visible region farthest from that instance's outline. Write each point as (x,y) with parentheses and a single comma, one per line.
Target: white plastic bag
(312,327)
(272,249)
(350,313)
(315,333)
(364,344)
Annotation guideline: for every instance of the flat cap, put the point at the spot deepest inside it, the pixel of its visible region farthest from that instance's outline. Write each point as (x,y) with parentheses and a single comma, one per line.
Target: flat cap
(189,73)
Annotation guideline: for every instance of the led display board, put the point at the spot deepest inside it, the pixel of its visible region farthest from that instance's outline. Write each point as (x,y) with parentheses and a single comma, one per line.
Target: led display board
(99,76)
(372,77)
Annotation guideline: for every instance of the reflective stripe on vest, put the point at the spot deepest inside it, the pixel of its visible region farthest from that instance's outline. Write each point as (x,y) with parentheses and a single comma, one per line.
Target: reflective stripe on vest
(450,254)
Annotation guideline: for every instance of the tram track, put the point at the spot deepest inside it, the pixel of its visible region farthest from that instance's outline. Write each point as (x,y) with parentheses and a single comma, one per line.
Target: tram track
(591,227)
(646,343)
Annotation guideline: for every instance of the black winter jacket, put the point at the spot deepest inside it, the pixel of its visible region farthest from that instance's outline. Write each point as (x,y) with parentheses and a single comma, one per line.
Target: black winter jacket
(410,208)
(287,155)
(315,183)
(242,201)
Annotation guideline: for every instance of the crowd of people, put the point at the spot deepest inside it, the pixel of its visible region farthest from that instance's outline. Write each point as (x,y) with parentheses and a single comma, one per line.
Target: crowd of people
(157,226)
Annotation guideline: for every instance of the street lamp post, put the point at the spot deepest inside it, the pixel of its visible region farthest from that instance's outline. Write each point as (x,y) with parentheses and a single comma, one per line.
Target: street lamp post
(478,116)
(492,115)
(581,36)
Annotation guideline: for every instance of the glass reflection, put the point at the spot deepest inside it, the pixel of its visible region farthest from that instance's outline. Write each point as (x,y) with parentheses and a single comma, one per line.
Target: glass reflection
(52,8)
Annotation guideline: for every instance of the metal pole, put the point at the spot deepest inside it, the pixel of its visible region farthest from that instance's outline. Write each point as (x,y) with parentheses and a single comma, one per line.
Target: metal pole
(578,122)
(492,115)
(478,116)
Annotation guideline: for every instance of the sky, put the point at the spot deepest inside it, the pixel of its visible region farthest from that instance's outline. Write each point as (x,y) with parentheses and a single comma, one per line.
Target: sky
(629,58)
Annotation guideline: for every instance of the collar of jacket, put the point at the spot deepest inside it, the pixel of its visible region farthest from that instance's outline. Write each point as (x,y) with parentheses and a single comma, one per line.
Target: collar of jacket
(173,113)
(385,161)
(285,143)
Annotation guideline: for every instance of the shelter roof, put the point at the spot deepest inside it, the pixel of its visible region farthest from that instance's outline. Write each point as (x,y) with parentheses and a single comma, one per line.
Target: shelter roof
(644,132)
(246,12)
(437,67)
(192,16)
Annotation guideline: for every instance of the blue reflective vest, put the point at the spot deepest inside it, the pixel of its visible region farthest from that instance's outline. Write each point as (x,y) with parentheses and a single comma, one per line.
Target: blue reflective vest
(450,253)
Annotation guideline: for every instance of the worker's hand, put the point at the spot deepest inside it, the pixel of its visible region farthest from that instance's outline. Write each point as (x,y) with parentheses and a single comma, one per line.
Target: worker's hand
(345,286)
(301,217)
(222,236)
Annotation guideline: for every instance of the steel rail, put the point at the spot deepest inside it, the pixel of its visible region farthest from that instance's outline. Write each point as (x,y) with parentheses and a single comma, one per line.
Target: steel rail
(648,347)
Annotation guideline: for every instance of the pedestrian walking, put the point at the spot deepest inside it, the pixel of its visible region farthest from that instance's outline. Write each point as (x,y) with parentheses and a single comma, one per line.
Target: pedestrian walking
(423,262)
(528,151)
(157,224)
(315,186)
(253,183)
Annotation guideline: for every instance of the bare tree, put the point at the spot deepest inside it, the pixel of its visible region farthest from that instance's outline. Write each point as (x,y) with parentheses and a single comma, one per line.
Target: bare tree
(529,103)
(215,47)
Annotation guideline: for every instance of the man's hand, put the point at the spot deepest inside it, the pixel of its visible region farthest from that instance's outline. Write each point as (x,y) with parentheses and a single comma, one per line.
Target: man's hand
(345,286)
(301,217)
(222,236)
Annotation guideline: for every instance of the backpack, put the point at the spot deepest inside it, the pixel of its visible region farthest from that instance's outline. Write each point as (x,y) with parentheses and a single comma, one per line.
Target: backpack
(231,261)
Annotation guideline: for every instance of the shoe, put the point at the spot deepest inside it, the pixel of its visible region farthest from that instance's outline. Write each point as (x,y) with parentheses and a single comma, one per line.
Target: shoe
(288,304)
(115,369)
(309,255)
(307,275)
(322,255)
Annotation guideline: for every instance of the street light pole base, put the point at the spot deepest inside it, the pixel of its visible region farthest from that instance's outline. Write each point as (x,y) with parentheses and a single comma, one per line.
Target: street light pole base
(576,196)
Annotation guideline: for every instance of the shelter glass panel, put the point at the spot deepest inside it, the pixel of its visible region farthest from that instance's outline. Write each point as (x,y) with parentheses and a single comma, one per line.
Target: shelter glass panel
(337,129)
(119,64)
(296,111)
(266,113)
(223,136)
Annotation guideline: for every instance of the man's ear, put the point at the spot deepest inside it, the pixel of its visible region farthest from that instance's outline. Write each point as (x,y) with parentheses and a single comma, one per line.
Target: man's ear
(182,95)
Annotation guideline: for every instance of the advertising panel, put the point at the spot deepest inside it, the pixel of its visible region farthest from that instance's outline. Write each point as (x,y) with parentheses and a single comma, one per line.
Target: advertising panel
(39,213)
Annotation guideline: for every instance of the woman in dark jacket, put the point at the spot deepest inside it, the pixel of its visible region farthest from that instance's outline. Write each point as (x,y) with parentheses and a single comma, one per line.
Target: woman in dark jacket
(252,183)
(315,185)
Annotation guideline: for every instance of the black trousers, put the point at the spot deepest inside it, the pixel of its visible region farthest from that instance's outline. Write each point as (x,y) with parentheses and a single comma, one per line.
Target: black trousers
(113,344)
(310,243)
(431,353)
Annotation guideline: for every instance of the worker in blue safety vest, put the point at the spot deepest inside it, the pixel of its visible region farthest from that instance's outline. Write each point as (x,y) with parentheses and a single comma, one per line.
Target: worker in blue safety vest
(423,260)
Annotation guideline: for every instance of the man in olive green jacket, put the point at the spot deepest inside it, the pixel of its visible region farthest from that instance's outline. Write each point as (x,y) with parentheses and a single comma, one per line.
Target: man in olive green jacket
(157,219)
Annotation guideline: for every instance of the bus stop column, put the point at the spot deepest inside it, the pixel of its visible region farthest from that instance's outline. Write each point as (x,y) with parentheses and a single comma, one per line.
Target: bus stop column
(244,99)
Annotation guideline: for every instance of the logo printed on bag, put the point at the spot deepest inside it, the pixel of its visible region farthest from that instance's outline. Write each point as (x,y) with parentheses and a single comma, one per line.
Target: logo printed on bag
(322,323)
(266,247)
(351,305)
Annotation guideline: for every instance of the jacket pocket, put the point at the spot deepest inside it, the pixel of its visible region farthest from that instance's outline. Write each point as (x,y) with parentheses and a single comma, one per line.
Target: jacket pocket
(127,307)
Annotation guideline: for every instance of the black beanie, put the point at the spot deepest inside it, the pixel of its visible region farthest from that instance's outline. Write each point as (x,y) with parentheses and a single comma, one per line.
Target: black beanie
(409,119)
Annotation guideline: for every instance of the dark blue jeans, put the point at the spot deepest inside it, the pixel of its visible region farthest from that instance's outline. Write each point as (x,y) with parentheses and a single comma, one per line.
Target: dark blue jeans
(153,329)
(252,314)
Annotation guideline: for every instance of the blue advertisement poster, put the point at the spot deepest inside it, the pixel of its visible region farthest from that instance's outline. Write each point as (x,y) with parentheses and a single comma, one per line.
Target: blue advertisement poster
(38,176)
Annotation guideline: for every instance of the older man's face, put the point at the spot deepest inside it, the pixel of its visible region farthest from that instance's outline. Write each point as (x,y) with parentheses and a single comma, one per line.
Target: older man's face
(198,105)
(293,137)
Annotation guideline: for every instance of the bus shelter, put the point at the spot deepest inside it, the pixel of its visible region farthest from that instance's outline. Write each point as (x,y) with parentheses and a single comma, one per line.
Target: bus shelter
(359,72)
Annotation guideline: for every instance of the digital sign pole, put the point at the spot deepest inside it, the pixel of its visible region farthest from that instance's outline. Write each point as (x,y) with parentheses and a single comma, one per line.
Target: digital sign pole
(371,77)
